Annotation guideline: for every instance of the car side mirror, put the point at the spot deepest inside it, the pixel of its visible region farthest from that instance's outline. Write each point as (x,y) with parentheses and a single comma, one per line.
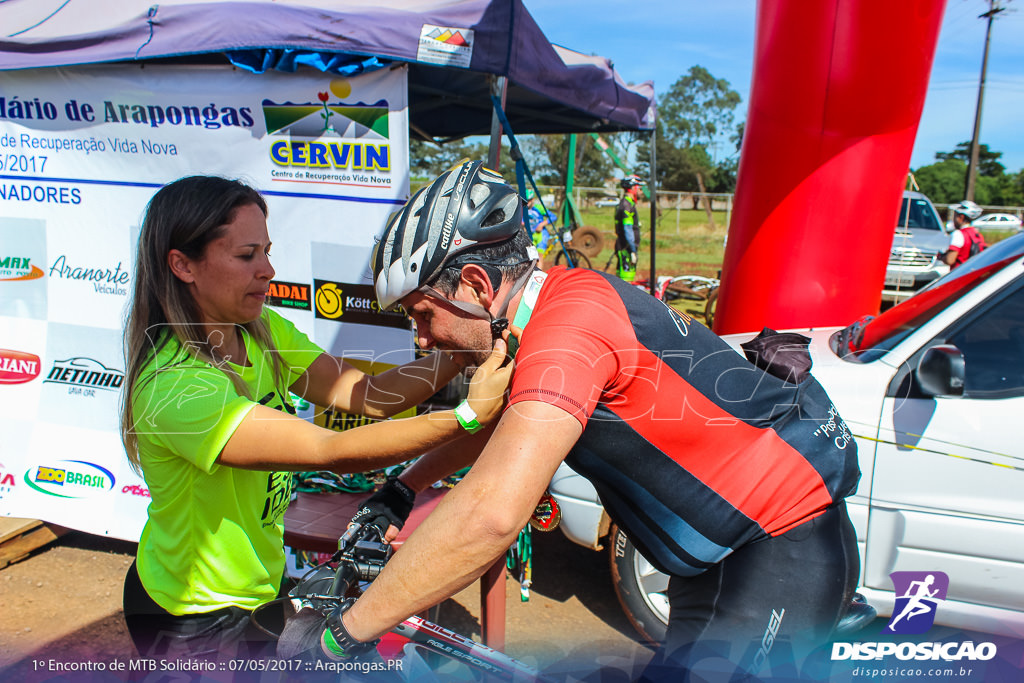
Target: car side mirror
(941,371)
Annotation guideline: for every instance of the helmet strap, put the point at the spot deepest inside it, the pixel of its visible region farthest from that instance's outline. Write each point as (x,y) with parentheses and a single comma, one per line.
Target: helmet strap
(499,323)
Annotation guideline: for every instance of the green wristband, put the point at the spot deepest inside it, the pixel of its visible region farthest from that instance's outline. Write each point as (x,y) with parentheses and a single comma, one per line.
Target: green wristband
(467,418)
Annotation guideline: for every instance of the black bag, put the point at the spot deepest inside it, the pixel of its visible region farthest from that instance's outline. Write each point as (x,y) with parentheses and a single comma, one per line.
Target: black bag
(782,354)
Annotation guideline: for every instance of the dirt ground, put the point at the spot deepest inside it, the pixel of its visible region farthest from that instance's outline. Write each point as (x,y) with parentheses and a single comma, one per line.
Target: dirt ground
(63,603)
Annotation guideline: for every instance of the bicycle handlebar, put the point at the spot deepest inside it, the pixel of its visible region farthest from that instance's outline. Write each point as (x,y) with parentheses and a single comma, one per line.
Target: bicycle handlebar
(361,555)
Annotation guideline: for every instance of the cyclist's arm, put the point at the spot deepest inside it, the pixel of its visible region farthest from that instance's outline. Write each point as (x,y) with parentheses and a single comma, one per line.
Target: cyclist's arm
(445,460)
(474,523)
(330,381)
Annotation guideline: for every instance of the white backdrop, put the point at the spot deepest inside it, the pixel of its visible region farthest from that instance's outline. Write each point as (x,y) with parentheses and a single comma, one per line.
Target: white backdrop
(81,152)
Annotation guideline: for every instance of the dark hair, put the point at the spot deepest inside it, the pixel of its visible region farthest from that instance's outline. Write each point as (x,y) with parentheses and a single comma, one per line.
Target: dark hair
(504,262)
(186,215)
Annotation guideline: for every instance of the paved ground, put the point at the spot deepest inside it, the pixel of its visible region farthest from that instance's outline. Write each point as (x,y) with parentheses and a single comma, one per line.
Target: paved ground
(64,603)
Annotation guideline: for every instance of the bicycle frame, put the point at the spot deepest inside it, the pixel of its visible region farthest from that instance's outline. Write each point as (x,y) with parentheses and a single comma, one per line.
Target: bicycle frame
(437,639)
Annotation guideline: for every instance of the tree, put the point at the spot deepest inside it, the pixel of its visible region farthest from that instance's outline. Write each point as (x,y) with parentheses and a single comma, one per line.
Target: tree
(943,181)
(547,157)
(988,161)
(697,108)
(428,160)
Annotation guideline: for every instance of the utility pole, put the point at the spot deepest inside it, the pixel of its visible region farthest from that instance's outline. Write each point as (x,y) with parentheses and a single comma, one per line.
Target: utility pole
(972,165)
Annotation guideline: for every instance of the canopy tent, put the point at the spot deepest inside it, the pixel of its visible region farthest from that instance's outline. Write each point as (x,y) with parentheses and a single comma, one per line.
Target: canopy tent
(454,49)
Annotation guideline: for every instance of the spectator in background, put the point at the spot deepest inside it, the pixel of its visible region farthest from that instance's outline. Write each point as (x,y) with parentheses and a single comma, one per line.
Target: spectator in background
(965,241)
(627,228)
(541,226)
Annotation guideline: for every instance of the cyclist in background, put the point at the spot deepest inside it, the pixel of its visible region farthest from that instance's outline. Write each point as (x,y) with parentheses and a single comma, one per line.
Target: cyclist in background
(728,477)
(627,228)
(965,241)
(208,419)
(541,226)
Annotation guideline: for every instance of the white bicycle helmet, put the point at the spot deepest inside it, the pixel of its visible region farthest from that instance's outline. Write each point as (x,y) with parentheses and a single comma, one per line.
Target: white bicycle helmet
(968,208)
(464,207)
(631,181)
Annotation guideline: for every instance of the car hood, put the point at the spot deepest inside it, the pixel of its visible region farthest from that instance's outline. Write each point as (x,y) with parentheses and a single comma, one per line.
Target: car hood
(918,238)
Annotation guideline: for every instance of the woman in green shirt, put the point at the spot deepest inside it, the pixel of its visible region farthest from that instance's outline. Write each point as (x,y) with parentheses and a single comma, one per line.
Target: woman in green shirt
(208,420)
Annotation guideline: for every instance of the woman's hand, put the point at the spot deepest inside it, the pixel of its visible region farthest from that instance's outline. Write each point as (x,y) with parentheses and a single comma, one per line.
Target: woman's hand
(489,384)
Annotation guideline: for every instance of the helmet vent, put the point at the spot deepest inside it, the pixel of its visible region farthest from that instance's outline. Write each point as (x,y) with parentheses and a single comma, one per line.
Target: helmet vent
(478,195)
(493,218)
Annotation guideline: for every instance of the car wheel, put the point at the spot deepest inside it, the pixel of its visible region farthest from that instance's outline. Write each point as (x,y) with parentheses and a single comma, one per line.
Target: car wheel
(640,588)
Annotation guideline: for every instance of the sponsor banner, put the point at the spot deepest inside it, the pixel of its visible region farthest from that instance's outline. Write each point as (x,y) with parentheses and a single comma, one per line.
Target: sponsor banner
(445,45)
(12,458)
(82,377)
(23,284)
(82,151)
(342,335)
(292,295)
(18,367)
(350,303)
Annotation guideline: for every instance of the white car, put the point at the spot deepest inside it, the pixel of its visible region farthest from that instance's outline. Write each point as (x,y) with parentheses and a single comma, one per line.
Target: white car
(997,221)
(932,389)
(607,201)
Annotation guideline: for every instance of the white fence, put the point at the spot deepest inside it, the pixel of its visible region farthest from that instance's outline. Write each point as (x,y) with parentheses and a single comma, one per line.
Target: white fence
(671,203)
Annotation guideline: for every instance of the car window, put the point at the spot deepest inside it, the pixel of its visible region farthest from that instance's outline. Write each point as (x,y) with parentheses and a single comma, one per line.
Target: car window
(993,348)
(871,337)
(921,215)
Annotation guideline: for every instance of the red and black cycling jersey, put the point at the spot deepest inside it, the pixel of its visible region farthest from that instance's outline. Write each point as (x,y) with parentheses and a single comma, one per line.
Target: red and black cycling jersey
(692,450)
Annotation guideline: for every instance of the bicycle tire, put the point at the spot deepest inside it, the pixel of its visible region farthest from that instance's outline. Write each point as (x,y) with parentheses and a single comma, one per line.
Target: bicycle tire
(711,307)
(577,257)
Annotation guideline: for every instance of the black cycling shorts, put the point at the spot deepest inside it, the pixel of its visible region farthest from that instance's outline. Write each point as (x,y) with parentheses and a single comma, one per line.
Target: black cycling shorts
(766,606)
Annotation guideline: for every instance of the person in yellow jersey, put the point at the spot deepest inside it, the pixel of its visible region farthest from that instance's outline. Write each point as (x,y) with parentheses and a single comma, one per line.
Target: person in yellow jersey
(208,419)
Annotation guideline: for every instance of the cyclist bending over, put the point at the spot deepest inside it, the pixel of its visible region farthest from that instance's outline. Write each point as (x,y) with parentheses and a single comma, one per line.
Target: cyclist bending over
(728,478)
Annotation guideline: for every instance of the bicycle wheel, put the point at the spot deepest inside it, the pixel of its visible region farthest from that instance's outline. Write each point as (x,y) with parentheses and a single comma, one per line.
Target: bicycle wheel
(576,258)
(710,307)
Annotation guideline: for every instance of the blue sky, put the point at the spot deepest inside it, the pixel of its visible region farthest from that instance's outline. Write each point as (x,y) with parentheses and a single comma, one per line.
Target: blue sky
(660,40)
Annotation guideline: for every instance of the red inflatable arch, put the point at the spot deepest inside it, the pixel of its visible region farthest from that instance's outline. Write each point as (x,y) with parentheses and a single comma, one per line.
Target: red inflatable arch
(836,97)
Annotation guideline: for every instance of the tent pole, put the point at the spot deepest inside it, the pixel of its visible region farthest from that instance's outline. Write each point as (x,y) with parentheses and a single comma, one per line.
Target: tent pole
(499,89)
(653,182)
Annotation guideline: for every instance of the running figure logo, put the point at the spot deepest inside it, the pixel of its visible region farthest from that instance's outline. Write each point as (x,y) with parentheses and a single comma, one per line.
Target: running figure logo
(918,594)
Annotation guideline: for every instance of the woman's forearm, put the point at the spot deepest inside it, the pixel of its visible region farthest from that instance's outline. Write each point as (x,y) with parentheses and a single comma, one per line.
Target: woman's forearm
(407,385)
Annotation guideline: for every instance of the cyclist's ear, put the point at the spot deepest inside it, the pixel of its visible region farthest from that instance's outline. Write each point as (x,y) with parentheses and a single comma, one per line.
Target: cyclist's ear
(478,284)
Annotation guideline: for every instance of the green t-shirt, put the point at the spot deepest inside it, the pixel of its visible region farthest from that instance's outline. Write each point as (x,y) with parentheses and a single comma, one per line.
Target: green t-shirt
(214,533)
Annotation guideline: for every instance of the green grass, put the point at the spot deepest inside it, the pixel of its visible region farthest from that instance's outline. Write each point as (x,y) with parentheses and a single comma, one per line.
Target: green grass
(693,248)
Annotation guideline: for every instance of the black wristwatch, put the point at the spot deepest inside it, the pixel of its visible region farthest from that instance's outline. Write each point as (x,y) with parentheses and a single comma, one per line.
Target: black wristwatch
(336,642)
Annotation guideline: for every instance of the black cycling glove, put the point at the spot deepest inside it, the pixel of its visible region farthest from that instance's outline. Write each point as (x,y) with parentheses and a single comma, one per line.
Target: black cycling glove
(390,505)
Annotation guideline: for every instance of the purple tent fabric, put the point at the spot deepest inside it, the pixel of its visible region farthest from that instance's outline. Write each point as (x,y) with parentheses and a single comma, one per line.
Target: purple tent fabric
(551,89)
